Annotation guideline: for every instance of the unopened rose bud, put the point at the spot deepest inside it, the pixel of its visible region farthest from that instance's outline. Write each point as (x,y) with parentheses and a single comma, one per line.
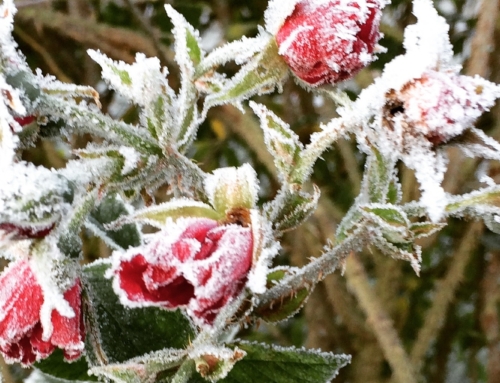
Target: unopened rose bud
(439,105)
(324,42)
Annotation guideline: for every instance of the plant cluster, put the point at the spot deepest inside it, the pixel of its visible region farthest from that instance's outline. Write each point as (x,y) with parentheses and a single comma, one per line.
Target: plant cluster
(168,303)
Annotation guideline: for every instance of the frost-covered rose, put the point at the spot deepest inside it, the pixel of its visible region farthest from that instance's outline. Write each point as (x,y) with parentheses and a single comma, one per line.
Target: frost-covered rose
(329,41)
(21,330)
(439,105)
(195,263)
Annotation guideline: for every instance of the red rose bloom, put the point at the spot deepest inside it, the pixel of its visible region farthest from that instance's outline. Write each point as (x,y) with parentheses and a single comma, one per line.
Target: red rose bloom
(329,41)
(21,300)
(195,263)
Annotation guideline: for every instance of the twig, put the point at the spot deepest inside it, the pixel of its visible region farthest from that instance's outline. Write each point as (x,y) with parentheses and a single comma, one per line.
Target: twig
(319,268)
(379,321)
(445,293)
(150,31)
(117,43)
(4,370)
(47,57)
(483,42)
(490,322)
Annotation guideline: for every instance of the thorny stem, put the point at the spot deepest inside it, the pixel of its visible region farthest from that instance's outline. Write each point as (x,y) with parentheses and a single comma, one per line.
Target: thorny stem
(319,268)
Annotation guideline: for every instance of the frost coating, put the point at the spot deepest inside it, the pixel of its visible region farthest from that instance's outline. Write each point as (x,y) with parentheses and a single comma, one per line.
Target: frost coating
(23,335)
(329,41)
(194,263)
(32,199)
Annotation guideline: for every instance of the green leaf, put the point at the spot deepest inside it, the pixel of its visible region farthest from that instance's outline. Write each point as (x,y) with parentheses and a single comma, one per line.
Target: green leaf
(123,74)
(281,141)
(193,47)
(157,215)
(110,209)
(260,75)
(487,196)
(69,241)
(379,176)
(389,214)
(425,229)
(55,366)
(291,208)
(117,333)
(274,364)
(284,307)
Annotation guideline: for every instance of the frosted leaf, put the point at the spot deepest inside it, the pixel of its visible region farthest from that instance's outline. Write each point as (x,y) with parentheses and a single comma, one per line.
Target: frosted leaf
(131,159)
(239,51)
(141,369)
(30,194)
(142,82)
(161,214)
(188,55)
(282,142)
(476,143)
(188,52)
(414,256)
(320,141)
(50,85)
(429,170)
(260,75)
(88,169)
(8,141)
(7,43)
